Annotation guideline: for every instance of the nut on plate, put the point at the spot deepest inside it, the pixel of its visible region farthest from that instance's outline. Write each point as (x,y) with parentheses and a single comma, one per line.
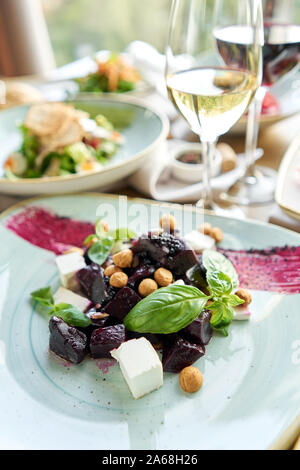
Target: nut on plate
(123,259)
(104,225)
(190,379)
(111,269)
(147,286)
(118,280)
(205,228)
(245,295)
(217,234)
(163,277)
(167,222)
(74,249)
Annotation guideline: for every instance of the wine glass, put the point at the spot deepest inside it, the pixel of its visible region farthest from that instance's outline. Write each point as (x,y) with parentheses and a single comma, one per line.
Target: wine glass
(209,94)
(281,56)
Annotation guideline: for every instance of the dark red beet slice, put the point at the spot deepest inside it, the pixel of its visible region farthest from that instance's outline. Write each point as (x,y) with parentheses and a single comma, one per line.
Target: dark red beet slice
(103,340)
(139,273)
(122,303)
(91,280)
(182,262)
(66,341)
(153,250)
(155,340)
(200,330)
(179,353)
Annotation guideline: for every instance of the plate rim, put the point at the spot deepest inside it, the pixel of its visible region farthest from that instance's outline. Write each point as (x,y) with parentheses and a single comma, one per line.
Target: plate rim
(133,100)
(285,439)
(147,201)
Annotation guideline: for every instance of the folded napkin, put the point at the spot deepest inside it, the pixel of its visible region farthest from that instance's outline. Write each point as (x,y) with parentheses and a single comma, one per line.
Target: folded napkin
(154,179)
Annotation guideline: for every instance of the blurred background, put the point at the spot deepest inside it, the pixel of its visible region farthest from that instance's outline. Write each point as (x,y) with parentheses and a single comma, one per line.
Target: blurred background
(36,35)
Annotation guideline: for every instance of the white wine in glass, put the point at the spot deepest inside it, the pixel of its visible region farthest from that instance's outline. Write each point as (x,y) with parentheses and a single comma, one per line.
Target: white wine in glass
(211,96)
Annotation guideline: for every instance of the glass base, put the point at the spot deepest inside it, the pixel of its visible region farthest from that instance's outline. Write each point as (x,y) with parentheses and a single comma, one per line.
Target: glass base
(252,190)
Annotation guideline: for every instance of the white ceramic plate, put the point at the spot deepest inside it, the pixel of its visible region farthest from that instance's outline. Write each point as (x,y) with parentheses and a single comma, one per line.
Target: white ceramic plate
(251,395)
(144,128)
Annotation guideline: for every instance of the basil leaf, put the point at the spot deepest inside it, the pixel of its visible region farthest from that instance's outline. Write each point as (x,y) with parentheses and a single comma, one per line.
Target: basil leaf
(234,300)
(100,250)
(222,331)
(122,234)
(167,310)
(214,261)
(219,283)
(71,315)
(89,238)
(43,296)
(222,314)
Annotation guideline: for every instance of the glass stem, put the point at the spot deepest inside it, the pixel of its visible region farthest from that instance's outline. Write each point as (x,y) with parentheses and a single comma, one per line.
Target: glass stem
(208,150)
(252,133)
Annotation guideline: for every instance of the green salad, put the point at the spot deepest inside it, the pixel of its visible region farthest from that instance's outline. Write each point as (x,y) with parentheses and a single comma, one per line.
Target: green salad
(59,140)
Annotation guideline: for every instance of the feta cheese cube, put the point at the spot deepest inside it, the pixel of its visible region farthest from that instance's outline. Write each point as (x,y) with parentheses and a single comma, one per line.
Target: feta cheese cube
(198,241)
(66,296)
(241,313)
(140,366)
(68,265)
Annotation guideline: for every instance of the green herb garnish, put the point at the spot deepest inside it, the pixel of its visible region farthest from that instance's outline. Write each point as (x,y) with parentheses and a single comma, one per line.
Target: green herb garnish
(106,242)
(167,310)
(67,312)
(172,308)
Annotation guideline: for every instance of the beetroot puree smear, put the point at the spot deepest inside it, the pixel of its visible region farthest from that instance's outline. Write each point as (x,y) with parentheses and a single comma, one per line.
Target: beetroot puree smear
(276,269)
(47,230)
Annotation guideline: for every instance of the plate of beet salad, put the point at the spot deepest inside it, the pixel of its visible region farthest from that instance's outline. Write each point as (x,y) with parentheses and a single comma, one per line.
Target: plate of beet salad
(133,327)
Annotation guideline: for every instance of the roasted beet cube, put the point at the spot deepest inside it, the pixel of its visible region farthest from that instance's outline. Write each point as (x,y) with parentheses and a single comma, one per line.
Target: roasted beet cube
(179,353)
(197,277)
(140,272)
(103,340)
(155,340)
(151,248)
(92,283)
(122,303)
(67,341)
(182,262)
(200,330)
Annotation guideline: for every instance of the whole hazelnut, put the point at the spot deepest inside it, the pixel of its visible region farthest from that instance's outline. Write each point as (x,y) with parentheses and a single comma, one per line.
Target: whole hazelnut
(147,286)
(118,280)
(104,225)
(205,228)
(168,222)
(163,277)
(245,295)
(190,379)
(123,258)
(74,249)
(217,234)
(111,269)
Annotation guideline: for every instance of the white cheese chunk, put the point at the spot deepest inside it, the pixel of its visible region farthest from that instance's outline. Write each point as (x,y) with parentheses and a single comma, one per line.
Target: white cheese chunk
(241,313)
(199,242)
(66,296)
(68,265)
(140,366)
